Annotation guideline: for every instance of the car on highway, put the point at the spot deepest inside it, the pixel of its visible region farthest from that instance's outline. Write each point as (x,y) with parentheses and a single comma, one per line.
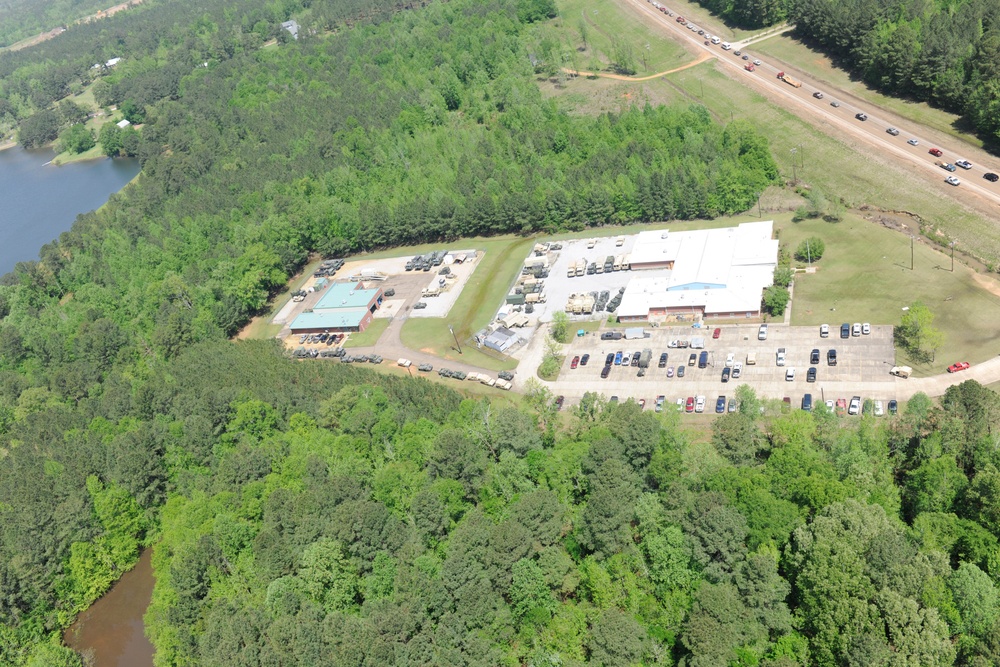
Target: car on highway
(991,177)
(726,46)
(958,366)
(951,180)
(855,406)
(717,333)
(746,57)
(584,359)
(701,32)
(720,404)
(818,95)
(947,166)
(576,362)
(680,19)
(936,152)
(757,63)
(964,164)
(893,131)
(913,142)
(689,405)
(862,116)
(715,40)
(737,53)
(835,104)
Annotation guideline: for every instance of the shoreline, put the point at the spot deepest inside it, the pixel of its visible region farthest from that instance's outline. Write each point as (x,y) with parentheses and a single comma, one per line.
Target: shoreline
(8,144)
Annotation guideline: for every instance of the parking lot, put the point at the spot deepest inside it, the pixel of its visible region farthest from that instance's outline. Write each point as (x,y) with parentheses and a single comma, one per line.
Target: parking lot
(863,365)
(558,286)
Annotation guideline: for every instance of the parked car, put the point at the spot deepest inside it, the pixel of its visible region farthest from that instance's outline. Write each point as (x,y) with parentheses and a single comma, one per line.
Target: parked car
(559,402)
(831,358)
(737,370)
(699,404)
(807,402)
(841,407)
(605,372)
(576,362)
(878,409)
(790,375)
(720,404)
(670,371)
(824,330)
(703,360)
(610,359)
(845,330)
(732,405)
(689,406)
(730,359)
(811,374)
(663,360)
(618,358)
(866,328)
(762,332)
(642,403)
(855,406)
(893,407)
(635,358)
(680,371)
(725,374)
(856,329)
(959,366)
(693,359)
(584,359)
(716,333)
(659,403)
(814,357)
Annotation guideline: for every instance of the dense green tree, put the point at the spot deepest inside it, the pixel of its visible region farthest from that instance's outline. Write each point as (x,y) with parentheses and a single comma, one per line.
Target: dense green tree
(76,139)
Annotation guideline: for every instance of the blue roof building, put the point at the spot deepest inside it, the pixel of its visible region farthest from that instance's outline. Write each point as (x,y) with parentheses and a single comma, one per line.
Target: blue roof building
(344,308)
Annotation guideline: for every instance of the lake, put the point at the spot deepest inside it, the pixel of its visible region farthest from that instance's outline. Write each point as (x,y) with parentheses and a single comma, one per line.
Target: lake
(40,201)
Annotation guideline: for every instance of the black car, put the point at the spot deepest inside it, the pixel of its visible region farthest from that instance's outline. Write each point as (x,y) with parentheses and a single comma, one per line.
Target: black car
(831,358)
(663,360)
(610,359)
(584,359)
(635,358)
(807,401)
(559,402)
(725,374)
(893,407)
(861,116)
(991,177)
(814,357)
(811,375)
(607,335)
(680,371)
(389,292)
(845,330)
(605,371)
(737,53)
(693,359)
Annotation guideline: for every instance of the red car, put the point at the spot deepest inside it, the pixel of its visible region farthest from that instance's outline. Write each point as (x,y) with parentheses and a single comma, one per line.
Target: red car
(841,407)
(689,406)
(716,333)
(680,19)
(575,362)
(960,366)
(936,152)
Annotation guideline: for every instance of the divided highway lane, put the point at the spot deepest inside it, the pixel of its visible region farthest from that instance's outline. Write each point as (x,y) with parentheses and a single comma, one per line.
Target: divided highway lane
(872,130)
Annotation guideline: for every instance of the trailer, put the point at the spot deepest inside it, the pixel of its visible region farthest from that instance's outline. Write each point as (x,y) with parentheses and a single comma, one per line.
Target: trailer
(795,83)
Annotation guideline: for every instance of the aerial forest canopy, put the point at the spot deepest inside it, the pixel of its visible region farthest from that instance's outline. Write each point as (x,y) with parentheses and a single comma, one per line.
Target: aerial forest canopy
(307,514)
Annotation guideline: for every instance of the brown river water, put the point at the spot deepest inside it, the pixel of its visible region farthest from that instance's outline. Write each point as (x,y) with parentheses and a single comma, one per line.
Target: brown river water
(111,631)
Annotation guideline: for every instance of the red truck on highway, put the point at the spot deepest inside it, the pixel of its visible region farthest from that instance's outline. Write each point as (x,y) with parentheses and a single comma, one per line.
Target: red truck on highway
(789,80)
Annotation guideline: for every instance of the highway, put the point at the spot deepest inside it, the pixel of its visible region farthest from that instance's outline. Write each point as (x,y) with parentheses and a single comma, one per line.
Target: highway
(802,102)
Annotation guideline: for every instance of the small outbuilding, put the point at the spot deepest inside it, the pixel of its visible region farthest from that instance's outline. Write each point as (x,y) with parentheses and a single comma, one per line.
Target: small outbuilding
(501,340)
(123,123)
(292,27)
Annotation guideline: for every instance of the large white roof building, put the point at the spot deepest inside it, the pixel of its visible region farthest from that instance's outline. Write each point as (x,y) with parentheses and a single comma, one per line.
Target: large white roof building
(707,272)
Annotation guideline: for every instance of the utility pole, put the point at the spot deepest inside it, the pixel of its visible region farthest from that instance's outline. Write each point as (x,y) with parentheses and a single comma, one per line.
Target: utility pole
(912,237)
(759,214)
(795,178)
(953,256)
(452,330)
(809,253)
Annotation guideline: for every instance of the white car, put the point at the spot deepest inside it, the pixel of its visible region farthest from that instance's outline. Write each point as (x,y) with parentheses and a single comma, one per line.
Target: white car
(964,164)
(680,405)
(855,406)
(829,405)
(824,331)
(951,180)
(762,332)
(856,329)
(790,375)
(878,409)
(913,142)
(699,404)
(730,358)
(866,328)
(737,370)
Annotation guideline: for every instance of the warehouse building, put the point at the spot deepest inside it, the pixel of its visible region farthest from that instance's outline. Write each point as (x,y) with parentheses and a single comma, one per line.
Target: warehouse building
(701,274)
(345,308)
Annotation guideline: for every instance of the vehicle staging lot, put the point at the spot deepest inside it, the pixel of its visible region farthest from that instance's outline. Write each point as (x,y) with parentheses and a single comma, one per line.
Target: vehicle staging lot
(862,368)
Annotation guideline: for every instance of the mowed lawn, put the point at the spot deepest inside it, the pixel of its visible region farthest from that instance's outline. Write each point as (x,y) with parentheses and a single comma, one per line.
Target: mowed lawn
(475,307)
(865,276)
(605,20)
(369,336)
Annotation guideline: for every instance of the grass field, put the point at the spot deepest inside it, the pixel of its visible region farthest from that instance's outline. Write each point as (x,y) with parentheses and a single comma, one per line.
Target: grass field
(865,276)
(602,21)
(819,66)
(369,336)
(431,334)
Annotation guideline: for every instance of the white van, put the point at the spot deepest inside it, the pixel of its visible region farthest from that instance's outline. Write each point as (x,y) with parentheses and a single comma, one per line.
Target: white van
(751,358)
(715,40)
(726,46)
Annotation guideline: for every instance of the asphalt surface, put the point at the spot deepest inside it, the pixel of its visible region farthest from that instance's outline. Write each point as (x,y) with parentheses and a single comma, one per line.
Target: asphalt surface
(872,131)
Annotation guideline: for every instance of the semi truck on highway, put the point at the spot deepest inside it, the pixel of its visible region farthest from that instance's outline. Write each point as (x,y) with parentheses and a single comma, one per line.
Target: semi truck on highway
(789,80)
